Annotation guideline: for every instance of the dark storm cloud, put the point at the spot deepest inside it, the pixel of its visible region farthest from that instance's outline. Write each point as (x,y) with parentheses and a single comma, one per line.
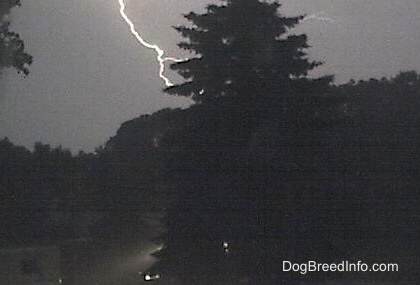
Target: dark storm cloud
(90,75)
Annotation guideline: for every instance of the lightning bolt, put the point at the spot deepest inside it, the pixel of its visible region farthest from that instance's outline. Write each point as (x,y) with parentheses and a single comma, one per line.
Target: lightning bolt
(161,59)
(319,18)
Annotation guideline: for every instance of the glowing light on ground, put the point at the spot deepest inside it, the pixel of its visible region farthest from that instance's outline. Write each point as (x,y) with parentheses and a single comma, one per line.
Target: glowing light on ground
(161,59)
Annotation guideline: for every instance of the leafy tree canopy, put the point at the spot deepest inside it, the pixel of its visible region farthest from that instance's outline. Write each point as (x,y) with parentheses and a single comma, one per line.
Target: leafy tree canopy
(12,49)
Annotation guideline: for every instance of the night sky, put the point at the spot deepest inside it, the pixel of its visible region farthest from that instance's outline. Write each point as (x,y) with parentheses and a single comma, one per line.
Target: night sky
(89,74)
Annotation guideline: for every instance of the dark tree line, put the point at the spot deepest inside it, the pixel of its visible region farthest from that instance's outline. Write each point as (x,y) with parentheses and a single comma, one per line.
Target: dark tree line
(339,181)
(34,186)
(46,194)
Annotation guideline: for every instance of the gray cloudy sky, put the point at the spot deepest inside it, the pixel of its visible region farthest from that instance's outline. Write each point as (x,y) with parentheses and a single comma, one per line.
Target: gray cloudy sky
(89,74)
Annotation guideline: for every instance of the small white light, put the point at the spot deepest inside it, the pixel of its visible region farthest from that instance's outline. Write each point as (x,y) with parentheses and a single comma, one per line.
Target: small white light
(60,281)
(225,244)
(151,277)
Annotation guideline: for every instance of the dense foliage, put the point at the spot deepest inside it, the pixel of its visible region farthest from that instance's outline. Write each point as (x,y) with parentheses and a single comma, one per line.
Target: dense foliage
(12,49)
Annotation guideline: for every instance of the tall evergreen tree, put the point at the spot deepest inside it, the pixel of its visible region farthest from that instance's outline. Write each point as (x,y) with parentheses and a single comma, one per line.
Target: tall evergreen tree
(226,226)
(243,47)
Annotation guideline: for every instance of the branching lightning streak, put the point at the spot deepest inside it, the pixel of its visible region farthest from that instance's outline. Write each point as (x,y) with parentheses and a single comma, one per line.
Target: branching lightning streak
(319,18)
(160,52)
(161,59)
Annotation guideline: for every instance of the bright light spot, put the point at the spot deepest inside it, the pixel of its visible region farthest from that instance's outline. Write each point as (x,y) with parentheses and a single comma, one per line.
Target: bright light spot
(226,247)
(60,281)
(150,277)
(225,41)
(160,53)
